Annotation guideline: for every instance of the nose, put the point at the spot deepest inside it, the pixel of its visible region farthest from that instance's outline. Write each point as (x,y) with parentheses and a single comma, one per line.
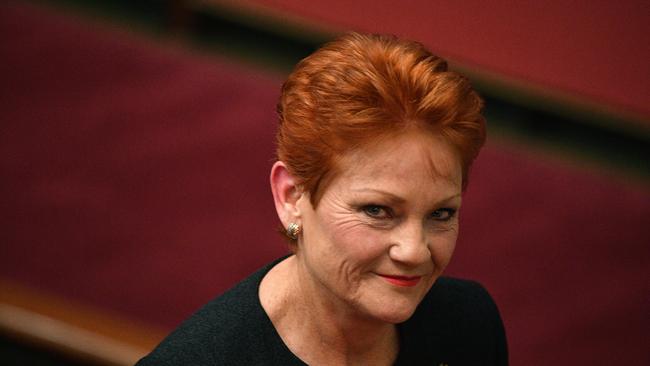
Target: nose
(410,245)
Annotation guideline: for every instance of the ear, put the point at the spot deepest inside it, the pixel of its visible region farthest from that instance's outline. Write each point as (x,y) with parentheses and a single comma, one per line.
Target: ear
(286,194)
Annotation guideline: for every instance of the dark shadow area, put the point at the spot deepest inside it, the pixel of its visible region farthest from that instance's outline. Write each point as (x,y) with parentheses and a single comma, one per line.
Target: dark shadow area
(19,353)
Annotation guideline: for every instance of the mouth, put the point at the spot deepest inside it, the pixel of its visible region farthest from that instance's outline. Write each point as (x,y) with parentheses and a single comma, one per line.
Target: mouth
(402,281)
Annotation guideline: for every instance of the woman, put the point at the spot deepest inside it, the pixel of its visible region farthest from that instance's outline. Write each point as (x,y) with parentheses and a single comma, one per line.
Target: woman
(375,141)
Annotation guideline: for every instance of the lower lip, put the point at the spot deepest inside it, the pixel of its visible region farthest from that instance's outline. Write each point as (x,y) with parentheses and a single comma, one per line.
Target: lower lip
(402,281)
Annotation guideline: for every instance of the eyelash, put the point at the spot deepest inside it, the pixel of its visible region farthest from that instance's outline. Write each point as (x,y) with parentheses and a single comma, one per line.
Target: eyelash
(450,213)
(387,214)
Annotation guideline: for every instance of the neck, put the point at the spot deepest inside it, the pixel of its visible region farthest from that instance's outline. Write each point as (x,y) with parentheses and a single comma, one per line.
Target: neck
(318,327)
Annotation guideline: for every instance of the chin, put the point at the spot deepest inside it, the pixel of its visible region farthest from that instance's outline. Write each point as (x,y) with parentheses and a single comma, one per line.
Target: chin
(396,317)
(395,312)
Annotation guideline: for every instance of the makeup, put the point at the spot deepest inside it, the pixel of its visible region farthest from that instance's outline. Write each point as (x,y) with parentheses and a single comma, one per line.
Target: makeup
(403,281)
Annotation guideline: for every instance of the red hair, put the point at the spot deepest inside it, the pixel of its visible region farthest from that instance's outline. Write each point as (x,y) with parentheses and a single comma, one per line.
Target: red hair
(360,88)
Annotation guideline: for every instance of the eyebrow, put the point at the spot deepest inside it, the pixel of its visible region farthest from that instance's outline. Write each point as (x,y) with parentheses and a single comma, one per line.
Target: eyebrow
(397,199)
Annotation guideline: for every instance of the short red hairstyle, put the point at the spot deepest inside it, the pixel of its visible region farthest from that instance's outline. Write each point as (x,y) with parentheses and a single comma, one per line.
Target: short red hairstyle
(360,88)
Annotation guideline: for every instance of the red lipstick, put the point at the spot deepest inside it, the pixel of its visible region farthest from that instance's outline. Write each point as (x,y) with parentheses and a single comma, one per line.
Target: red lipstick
(403,281)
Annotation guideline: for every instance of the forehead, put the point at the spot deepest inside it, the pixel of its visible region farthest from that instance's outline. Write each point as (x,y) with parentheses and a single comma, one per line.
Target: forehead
(414,158)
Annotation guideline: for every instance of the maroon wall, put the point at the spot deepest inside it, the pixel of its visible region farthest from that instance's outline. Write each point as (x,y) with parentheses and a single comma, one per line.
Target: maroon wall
(591,49)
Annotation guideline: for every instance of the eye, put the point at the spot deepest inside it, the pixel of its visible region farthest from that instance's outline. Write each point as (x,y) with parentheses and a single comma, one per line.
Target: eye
(376,211)
(443,214)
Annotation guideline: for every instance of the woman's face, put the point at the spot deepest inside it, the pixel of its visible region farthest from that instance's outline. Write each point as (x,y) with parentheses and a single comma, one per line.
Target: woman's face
(385,228)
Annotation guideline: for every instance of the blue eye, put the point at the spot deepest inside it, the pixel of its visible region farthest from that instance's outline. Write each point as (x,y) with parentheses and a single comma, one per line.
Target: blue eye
(375,211)
(443,214)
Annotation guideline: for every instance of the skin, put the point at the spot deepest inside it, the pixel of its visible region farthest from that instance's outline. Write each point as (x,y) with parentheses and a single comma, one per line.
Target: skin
(391,211)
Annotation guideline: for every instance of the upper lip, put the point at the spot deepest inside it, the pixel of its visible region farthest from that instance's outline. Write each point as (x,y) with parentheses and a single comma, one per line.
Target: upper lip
(400,277)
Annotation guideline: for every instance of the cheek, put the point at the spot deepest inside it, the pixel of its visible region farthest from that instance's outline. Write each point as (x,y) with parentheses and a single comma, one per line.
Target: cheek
(355,240)
(442,248)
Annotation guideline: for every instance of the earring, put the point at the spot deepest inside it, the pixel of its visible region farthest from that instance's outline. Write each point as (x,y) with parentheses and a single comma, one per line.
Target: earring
(293,230)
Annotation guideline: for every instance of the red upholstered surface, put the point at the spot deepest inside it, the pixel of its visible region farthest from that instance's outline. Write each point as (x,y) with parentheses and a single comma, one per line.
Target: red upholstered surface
(596,49)
(134,178)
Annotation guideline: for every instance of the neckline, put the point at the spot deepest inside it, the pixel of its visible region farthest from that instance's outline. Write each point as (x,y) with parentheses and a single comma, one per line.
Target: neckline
(275,336)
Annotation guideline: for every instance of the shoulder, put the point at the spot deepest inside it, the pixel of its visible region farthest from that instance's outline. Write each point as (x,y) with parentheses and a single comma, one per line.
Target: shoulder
(459,321)
(463,297)
(228,330)
(459,305)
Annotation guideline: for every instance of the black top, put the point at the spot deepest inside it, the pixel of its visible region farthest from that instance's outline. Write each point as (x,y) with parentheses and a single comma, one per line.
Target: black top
(457,323)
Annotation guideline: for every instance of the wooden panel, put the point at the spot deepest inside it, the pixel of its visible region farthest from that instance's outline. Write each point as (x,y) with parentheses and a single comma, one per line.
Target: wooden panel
(73,329)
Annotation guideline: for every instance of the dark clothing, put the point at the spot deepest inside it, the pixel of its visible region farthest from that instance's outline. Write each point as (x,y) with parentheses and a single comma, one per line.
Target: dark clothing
(457,323)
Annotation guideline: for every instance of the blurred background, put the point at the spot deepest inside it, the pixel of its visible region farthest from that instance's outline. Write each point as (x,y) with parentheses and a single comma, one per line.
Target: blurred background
(136,139)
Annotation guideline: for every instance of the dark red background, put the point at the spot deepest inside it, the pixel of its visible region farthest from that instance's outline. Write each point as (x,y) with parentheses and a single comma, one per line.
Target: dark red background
(595,50)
